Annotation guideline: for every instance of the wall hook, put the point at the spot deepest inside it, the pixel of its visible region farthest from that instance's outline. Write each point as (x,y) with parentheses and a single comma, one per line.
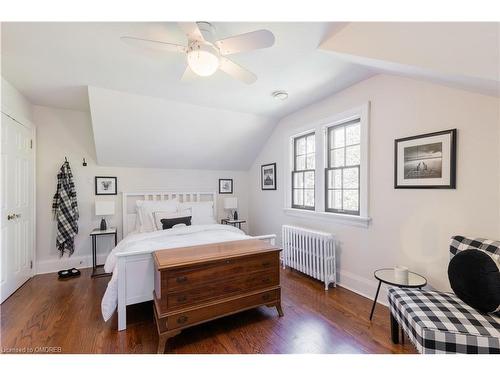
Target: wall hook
(84,162)
(65,159)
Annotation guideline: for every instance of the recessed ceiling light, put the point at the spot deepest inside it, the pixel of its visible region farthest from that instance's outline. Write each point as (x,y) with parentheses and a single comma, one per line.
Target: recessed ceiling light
(281,95)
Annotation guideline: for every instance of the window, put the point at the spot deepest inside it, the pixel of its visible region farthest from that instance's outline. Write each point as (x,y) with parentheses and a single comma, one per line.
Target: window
(342,172)
(304,164)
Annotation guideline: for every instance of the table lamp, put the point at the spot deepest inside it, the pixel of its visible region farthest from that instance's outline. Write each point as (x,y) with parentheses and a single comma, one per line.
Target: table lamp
(104,208)
(231,204)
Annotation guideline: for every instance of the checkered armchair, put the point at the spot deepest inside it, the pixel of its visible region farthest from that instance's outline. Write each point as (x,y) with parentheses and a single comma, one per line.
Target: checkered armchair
(438,322)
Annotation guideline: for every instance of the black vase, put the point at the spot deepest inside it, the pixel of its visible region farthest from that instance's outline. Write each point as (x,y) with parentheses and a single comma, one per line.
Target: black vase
(103,224)
(235,216)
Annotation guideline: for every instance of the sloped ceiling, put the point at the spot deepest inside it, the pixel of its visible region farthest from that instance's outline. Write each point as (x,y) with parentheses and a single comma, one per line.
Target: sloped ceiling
(136,131)
(460,54)
(143,115)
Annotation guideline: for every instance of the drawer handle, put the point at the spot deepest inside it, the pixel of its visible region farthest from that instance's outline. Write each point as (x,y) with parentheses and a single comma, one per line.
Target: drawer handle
(182,319)
(266,264)
(266,279)
(181,279)
(181,299)
(266,297)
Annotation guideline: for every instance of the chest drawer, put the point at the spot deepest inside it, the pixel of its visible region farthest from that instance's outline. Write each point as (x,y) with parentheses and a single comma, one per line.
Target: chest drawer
(223,288)
(194,276)
(199,315)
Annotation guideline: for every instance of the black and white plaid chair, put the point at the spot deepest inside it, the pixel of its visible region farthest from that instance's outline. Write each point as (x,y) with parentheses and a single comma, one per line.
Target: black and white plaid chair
(438,322)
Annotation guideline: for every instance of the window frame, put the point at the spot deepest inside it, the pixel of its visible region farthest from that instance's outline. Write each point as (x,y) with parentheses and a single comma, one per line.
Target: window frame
(319,126)
(295,170)
(328,159)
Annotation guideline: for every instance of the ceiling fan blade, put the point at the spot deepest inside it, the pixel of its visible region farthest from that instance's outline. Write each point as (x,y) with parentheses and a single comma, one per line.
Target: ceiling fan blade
(246,42)
(188,75)
(236,71)
(152,44)
(191,30)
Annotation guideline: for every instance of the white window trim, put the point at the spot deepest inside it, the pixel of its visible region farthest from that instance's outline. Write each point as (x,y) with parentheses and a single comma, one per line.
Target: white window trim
(320,129)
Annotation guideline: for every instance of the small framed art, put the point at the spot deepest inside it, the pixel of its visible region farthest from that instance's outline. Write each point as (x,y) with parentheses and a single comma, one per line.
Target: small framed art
(426,161)
(225,186)
(105,185)
(268,176)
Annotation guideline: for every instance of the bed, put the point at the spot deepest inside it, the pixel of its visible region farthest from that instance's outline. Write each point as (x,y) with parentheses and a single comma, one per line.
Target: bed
(131,260)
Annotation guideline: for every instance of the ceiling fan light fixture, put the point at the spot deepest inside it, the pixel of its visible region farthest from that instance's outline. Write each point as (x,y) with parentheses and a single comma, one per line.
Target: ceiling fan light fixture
(203,59)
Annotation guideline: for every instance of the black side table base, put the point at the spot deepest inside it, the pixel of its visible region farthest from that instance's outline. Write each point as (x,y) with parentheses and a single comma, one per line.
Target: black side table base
(375,300)
(98,271)
(96,267)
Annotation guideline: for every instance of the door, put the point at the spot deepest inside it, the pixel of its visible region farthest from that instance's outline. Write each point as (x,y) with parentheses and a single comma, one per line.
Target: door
(17,229)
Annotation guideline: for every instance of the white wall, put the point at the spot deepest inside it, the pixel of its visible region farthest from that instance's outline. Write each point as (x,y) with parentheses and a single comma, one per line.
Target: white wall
(410,227)
(15,104)
(68,133)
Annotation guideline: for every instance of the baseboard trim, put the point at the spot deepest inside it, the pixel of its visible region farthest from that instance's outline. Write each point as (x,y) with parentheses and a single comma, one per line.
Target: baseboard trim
(362,286)
(54,265)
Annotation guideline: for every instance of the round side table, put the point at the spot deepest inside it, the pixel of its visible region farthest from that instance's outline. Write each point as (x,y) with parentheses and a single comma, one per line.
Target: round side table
(387,276)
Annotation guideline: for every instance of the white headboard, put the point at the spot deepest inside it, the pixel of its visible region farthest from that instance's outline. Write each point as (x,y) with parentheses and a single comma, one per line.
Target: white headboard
(129,215)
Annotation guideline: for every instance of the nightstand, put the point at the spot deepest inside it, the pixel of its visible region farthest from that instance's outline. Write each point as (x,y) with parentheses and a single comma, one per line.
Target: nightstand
(95,266)
(234,223)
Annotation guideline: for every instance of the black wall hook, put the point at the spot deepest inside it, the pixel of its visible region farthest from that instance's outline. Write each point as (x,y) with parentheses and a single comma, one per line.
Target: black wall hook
(84,162)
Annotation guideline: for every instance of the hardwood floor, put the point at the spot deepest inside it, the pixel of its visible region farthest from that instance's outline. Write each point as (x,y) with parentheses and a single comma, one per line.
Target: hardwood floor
(65,316)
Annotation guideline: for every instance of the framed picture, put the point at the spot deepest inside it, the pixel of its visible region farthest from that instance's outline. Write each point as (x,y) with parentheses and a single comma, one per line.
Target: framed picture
(426,161)
(105,185)
(268,176)
(225,186)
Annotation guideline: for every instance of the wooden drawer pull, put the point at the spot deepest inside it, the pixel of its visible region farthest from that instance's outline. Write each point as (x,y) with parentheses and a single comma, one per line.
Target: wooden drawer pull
(266,264)
(181,279)
(182,319)
(266,297)
(181,299)
(266,279)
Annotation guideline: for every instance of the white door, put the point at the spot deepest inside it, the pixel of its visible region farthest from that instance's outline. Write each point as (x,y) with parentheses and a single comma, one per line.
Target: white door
(17,230)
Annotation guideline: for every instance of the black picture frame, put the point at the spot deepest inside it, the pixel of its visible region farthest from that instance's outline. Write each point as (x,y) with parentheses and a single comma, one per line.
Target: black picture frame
(113,192)
(452,158)
(262,185)
(221,190)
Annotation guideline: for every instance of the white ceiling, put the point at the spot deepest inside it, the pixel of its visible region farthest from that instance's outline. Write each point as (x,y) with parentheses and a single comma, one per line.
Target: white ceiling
(52,63)
(458,54)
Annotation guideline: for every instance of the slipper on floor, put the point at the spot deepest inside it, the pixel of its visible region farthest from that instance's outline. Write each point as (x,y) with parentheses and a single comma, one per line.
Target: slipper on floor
(64,274)
(74,272)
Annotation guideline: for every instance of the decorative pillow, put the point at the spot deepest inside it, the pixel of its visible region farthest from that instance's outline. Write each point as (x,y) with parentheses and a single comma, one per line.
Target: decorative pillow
(475,279)
(202,212)
(169,223)
(158,215)
(145,210)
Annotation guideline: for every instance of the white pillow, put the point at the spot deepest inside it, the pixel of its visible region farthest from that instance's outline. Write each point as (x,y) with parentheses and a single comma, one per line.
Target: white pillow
(158,215)
(201,212)
(180,225)
(145,211)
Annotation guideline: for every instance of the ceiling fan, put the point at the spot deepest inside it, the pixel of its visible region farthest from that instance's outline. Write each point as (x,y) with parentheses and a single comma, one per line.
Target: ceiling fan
(205,55)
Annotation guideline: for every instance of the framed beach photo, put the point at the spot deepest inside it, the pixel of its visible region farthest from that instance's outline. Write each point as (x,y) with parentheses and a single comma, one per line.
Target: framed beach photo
(225,186)
(105,185)
(426,161)
(268,176)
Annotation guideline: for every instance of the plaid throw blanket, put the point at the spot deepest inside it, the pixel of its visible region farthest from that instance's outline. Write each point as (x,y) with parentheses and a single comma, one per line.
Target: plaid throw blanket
(65,210)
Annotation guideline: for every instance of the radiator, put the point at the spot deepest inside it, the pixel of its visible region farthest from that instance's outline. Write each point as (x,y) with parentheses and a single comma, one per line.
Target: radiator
(310,252)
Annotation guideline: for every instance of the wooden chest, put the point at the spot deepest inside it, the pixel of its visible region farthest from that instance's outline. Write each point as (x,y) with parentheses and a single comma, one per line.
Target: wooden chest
(199,283)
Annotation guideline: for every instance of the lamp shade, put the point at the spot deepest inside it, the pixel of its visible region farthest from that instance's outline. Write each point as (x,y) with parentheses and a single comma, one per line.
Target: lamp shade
(103,208)
(230,203)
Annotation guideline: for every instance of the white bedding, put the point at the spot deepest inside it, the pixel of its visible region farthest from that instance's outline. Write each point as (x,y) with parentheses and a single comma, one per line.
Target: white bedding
(163,239)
